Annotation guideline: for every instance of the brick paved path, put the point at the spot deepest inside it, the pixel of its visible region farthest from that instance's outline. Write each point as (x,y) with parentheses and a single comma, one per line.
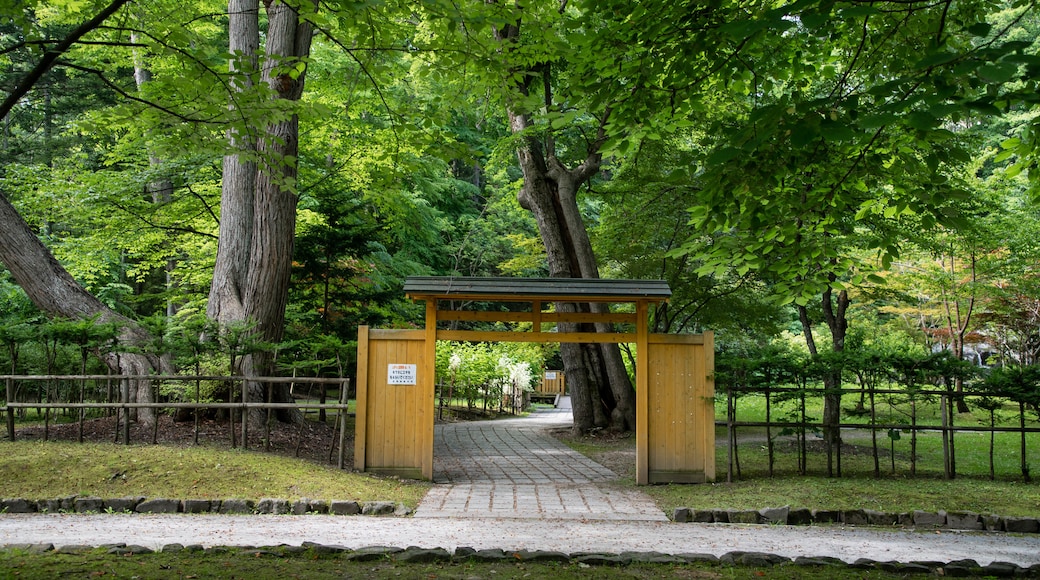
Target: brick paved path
(512,468)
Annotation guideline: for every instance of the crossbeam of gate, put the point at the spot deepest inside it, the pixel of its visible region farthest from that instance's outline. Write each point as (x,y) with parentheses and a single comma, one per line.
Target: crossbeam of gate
(684,415)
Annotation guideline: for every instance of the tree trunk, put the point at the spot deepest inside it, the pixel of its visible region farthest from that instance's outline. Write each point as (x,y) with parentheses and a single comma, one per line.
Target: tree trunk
(258,204)
(835,317)
(53,290)
(601,391)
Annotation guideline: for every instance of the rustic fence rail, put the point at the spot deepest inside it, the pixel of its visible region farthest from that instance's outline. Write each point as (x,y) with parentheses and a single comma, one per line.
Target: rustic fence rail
(123,407)
(910,403)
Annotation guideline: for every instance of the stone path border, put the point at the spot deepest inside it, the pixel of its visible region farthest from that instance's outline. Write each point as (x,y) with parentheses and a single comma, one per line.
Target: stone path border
(572,537)
(957,568)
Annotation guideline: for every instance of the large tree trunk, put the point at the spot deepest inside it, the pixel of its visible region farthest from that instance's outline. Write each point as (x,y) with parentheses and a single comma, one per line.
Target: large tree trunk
(258,205)
(601,391)
(53,290)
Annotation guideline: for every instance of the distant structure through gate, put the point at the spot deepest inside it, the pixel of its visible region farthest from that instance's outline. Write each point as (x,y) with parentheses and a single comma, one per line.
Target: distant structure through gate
(675,412)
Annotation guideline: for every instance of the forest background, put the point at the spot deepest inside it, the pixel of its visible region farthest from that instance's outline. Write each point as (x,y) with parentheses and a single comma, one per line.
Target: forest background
(181,178)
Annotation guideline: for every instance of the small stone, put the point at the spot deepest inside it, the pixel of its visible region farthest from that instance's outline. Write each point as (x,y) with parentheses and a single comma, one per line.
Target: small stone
(799,517)
(720,516)
(993,523)
(775,515)
(826,516)
(196,506)
(324,548)
(864,564)
(1021,525)
(372,553)
(489,555)
(1000,569)
(17,506)
(318,506)
(929,519)
(601,560)
(88,505)
(694,558)
(963,521)
(300,507)
(159,506)
(463,552)
(237,506)
(703,516)
(172,548)
(762,559)
(855,517)
(423,555)
(731,557)
(344,508)
(121,504)
(378,508)
(955,571)
(818,561)
(682,515)
(272,506)
(541,556)
(49,506)
(878,518)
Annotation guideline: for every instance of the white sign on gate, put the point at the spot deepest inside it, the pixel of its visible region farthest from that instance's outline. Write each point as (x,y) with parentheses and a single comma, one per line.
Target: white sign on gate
(400,374)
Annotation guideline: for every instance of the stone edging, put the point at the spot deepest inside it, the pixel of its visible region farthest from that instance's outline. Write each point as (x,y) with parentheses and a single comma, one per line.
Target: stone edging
(958,568)
(861,517)
(143,505)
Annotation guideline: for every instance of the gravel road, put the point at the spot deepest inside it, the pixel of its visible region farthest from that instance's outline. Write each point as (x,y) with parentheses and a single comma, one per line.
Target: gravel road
(848,544)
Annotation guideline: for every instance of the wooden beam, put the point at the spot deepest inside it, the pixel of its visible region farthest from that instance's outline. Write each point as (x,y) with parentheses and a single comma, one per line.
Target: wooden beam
(428,387)
(361,410)
(543,337)
(642,392)
(543,317)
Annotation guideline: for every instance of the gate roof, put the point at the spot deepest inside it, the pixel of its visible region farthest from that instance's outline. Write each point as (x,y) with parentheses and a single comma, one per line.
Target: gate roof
(526,289)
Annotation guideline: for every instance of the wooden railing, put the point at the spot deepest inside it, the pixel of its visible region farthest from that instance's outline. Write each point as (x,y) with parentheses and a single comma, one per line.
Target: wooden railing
(123,406)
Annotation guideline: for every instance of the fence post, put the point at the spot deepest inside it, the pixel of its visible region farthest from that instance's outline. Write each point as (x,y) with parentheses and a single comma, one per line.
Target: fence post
(945,435)
(10,409)
(245,414)
(344,389)
(125,396)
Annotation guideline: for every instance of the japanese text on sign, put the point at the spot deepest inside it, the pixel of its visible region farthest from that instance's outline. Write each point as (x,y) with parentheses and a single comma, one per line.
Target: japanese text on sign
(399,374)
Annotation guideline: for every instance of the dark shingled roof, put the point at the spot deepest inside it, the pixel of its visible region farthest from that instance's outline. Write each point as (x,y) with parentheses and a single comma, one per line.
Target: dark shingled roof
(505,289)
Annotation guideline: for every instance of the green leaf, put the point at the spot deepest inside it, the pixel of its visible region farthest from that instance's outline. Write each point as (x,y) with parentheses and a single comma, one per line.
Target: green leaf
(997,73)
(980,28)
(937,59)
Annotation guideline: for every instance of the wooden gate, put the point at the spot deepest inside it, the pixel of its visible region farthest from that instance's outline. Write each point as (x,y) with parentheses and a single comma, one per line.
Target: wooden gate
(675,413)
(394,420)
(680,410)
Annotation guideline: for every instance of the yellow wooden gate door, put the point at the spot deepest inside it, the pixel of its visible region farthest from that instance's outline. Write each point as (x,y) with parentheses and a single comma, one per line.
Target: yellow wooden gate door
(393,431)
(681,413)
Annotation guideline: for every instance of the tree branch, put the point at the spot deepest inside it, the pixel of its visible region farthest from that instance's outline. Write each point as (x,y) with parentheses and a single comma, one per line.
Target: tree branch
(51,57)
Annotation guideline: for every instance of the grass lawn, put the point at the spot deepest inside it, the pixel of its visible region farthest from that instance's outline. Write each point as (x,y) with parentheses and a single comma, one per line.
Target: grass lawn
(970,491)
(42,470)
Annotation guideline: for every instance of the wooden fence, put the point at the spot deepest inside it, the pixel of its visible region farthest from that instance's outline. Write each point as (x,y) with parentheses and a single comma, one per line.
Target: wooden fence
(798,426)
(122,407)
